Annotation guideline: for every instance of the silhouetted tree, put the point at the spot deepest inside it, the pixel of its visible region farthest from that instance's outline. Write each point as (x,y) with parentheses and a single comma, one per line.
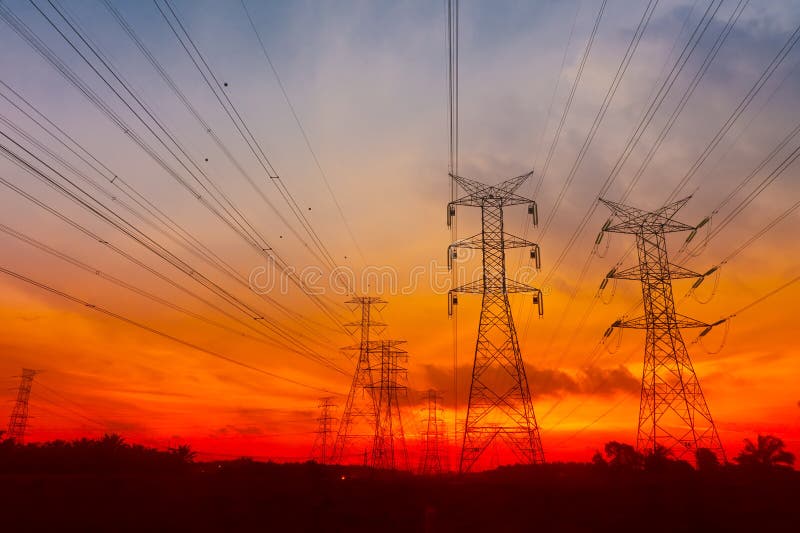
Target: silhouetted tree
(767,452)
(599,461)
(707,461)
(623,456)
(112,441)
(184,452)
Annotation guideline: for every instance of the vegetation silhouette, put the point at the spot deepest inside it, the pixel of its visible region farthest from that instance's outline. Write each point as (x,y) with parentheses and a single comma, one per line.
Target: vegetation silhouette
(767,452)
(108,484)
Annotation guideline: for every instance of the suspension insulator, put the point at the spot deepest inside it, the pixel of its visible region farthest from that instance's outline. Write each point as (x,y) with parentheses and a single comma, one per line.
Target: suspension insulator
(533,211)
(607,225)
(538,301)
(697,282)
(611,273)
(599,238)
(608,332)
(452,299)
(705,331)
(711,271)
(603,283)
(536,256)
(718,322)
(451,212)
(703,223)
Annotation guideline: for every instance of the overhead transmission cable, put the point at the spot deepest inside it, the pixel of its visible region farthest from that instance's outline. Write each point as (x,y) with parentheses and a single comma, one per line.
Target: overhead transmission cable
(234,224)
(311,150)
(158,332)
(98,209)
(173,231)
(246,133)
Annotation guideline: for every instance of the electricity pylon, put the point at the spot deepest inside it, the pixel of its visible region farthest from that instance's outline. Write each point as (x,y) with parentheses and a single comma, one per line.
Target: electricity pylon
(433,439)
(389,444)
(500,407)
(357,425)
(18,421)
(323,444)
(673,413)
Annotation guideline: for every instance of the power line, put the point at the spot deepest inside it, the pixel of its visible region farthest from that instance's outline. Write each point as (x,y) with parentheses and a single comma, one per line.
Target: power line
(311,150)
(153,297)
(253,144)
(129,230)
(234,225)
(155,331)
(173,232)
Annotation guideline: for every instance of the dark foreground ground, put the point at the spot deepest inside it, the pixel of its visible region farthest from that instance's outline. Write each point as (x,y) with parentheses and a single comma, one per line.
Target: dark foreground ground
(249,496)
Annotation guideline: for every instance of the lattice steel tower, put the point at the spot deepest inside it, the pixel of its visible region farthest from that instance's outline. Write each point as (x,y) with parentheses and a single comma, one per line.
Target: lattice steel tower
(18,421)
(672,412)
(322,450)
(500,408)
(357,425)
(431,461)
(389,444)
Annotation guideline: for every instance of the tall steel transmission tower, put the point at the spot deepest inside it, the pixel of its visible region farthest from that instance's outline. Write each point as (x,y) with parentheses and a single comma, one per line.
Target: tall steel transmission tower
(500,408)
(358,422)
(672,412)
(389,444)
(431,462)
(18,421)
(322,450)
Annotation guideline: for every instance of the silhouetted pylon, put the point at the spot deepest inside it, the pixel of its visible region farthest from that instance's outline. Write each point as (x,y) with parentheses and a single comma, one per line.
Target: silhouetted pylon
(18,421)
(500,409)
(389,445)
(322,450)
(673,413)
(434,440)
(357,425)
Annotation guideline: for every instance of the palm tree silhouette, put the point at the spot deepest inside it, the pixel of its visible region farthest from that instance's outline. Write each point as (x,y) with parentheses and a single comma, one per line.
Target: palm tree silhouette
(767,452)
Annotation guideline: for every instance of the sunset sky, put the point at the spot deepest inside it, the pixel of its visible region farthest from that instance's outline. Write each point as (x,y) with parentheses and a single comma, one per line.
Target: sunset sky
(368,83)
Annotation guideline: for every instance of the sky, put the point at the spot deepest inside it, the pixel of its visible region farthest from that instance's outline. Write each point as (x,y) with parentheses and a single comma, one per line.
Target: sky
(368,173)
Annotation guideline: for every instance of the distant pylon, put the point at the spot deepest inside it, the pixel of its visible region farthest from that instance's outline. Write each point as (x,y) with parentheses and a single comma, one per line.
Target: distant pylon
(322,450)
(500,409)
(672,411)
(357,425)
(18,421)
(389,444)
(433,439)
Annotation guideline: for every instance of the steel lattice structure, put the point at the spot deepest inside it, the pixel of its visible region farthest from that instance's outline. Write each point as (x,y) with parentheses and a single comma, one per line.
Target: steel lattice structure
(500,409)
(673,413)
(361,409)
(18,421)
(434,439)
(389,445)
(322,450)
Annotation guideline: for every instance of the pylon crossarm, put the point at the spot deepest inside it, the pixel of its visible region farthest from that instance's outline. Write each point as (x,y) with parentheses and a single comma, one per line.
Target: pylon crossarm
(478,192)
(632,273)
(640,322)
(474,287)
(679,272)
(515,287)
(635,273)
(634,220)
(683,321)
(475,242)
(512,241)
